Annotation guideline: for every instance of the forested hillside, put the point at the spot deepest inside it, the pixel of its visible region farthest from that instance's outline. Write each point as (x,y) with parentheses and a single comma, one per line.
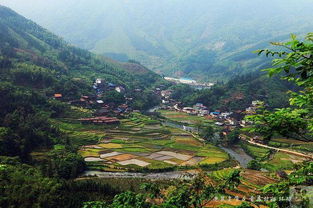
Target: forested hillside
(34,66)
(207,40)
(238,93)
(24,42)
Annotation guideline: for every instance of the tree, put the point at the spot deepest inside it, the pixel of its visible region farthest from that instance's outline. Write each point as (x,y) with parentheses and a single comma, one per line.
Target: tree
(195,193)
(113,97)
(64,164)
(95,204)
(129,200)
(296,62)
(233,137)
(232,180)
(24,186)
(208,133)
(254,165)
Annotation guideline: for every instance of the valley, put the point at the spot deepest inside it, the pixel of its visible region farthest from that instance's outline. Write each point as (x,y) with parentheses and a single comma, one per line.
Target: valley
(78,129)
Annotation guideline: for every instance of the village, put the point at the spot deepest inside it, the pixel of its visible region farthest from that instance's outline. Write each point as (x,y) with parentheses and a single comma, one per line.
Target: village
(108,113)
(228,121)
(105,113)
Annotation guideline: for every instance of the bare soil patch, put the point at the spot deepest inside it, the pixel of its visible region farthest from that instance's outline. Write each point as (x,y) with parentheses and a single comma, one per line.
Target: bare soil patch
(134,162)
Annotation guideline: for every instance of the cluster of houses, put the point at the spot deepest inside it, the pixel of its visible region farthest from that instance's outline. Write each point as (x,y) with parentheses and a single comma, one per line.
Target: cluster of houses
(105,113)
(221,118)
(255,105)
(228,121)
(252,109)
(166,96)
(102,86)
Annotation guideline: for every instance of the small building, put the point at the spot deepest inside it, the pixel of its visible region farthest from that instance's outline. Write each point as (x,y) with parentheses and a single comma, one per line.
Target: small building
(257,103)
(219,123)
(188,110)
(85,97)
(215,113)
(58,96)
(119,89)
(100,101)
(203,112)
(98,81)
(166,93)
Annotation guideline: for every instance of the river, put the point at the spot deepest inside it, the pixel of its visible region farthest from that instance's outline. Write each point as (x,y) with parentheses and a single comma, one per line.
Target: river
(238,154)
(151,176)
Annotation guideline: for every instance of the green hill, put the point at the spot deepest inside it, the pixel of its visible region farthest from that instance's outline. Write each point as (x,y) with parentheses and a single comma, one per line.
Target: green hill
(23,42)
(36,64)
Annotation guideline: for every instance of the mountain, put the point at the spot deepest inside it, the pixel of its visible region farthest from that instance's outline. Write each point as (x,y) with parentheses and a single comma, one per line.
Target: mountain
(24,43)
(205,40)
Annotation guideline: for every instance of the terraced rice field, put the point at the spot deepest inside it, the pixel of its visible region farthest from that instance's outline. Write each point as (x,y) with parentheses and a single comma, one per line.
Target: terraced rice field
(283,161)
(257,152)
(251,181)
(184,117)
(293,144)
(140,142)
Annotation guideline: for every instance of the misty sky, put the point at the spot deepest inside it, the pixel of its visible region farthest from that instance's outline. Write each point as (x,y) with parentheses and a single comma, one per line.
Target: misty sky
(154,31)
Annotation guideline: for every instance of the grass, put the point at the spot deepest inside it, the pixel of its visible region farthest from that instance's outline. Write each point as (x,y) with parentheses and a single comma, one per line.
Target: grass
(258,153)
(118,141)
(80,134)
(110,146)
(221,174)
(184,117)
(293,144)
(90,152)
(281,161)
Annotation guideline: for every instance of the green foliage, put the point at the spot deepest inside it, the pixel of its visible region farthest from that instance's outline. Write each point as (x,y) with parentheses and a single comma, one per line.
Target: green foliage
(286,122)
(301,176)
(208,132)
(95,204)
(259,153)
(238,93)
(232,180)
(24,186)
(297,65)
(113,97)
(129,200)
(254,165)
(245,205)
(233,137)
(64,164)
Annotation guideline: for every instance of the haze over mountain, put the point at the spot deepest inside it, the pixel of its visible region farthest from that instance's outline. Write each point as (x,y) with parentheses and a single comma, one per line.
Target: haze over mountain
(203,39)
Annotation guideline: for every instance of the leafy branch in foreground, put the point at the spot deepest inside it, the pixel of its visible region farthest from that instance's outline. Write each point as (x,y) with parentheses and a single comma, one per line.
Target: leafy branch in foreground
(295,61)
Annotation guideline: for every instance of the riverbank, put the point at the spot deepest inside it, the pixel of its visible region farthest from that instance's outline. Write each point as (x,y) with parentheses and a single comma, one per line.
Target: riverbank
(150,176)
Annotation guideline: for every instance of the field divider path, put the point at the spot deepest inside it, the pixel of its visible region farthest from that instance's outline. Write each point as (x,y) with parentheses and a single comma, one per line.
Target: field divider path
(249,140)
